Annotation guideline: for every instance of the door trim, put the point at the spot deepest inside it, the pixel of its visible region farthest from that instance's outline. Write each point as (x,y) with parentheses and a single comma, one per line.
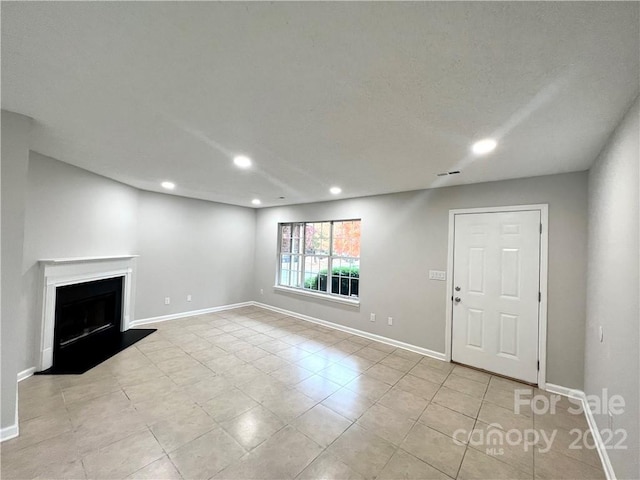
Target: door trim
(543,208)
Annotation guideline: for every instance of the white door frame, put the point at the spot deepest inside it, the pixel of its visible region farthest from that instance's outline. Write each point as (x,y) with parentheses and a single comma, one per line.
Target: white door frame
(543,208)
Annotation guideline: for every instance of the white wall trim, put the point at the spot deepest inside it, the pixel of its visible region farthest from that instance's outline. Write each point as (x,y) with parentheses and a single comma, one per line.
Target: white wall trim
(565,391)
(88,259)
(544,254)
(542,307)
(24,374)
(192,313)
(12,431)
(7,433)
(355,331)
(597,438)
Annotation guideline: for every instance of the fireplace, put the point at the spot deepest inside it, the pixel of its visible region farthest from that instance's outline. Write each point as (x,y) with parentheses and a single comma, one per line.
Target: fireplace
(85,302)
(88,316)
(86,306)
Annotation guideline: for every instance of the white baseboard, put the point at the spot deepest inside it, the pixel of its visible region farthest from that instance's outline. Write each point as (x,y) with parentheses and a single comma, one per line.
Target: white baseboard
(192,313)
(24,374)
(12,431)
(591,421)
(564,391)
(355,331)
(7,433)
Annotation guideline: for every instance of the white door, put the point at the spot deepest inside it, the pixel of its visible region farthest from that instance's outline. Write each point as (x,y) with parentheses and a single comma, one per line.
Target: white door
(496,279)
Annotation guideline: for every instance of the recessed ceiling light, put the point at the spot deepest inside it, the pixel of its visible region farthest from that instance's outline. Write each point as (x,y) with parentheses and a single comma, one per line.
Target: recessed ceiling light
(256,201)
(484,146)
(168,185)
(242,161)
(335,190)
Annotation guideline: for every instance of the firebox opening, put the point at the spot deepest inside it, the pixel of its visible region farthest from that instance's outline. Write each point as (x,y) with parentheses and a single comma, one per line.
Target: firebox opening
(88,319)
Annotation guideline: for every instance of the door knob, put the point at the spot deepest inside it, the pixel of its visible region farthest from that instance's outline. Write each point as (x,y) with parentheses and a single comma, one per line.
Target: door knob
(457,299)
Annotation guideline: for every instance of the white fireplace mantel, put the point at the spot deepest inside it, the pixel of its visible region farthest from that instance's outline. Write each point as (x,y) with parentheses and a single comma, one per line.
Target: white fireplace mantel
(57,272)
(86,259)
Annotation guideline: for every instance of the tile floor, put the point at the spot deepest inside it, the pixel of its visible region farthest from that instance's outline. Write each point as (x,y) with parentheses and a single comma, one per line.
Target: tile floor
(251,394)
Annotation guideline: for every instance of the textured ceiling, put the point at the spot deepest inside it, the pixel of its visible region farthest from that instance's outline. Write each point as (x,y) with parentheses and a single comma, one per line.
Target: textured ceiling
(373,97)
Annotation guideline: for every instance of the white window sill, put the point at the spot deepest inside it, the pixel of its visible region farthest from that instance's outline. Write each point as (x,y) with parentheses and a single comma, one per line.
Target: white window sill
(320,296)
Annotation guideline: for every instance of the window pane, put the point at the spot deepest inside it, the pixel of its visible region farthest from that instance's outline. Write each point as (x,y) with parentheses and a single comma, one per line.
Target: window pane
(296,239)
(290,270)
(317,238)
(315,272)
(285,267)
(337,265)
(295,245)
(344,273)
(346,238)
(355,268)
(285,238)
(344,285)
(296,271)
(355,287)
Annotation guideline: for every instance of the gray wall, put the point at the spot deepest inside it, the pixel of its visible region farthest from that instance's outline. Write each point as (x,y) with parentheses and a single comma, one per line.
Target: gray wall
(405,234)
(186,246)
(613,286)
(15,158)
(192,247)
(208,249)
(70,213)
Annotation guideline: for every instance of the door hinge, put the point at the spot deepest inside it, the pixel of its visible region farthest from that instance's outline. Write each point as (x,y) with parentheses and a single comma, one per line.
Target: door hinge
(539,297)
(538,365)
(540,228)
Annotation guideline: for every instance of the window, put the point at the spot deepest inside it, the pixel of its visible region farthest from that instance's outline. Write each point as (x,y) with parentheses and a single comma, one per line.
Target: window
(322,257)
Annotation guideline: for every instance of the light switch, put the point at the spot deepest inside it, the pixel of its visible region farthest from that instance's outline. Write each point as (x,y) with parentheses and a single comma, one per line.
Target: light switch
(437,275)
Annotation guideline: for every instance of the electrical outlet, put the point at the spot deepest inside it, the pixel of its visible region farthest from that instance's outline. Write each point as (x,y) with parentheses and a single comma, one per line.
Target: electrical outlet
(372,317)
(167,300)
(437,275)
(188,298)
(390,321)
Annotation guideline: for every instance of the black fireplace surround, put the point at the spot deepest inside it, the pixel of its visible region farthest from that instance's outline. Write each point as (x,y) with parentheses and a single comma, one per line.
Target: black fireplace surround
(88,316)
(88,319)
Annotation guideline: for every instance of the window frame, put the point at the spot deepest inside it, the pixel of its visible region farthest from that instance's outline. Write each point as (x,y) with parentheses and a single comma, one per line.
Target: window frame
(330,257)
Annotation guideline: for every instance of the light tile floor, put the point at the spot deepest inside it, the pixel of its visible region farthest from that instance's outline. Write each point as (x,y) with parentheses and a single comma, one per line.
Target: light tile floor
(251,394)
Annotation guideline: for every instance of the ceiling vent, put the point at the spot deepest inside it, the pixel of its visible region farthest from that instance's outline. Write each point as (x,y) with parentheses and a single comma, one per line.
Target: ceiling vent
(444,174)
